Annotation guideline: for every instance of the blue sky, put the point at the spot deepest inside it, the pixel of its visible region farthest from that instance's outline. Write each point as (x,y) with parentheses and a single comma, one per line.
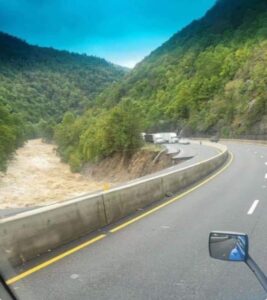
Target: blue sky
(121,31)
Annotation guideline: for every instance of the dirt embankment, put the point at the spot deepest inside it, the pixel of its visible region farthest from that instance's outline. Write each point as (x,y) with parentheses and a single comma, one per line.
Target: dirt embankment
(36,176)
(119,168)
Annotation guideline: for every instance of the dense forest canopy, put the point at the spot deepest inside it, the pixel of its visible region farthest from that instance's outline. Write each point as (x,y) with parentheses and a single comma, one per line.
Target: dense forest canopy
(44,82)
(99,133)
(38,85)
(11,135)
(211,76)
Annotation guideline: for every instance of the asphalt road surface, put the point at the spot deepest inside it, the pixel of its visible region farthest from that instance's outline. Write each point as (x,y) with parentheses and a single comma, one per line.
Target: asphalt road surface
(165,254)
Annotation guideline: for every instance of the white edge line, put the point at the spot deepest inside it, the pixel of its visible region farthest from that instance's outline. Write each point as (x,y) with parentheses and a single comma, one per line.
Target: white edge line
(253,207)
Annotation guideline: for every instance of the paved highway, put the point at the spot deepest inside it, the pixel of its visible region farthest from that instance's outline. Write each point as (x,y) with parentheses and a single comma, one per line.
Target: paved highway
(164,255)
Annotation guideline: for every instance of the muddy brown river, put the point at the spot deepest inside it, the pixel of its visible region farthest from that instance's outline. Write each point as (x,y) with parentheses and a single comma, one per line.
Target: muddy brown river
(36,176)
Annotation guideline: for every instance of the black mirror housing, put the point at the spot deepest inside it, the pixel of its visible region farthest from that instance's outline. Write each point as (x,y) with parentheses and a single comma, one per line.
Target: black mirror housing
(228,246)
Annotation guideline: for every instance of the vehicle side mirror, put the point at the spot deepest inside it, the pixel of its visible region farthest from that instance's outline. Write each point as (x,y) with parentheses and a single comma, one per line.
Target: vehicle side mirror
(228,246)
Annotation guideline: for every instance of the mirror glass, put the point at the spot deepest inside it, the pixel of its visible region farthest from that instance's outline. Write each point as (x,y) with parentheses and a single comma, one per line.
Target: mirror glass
(228,246)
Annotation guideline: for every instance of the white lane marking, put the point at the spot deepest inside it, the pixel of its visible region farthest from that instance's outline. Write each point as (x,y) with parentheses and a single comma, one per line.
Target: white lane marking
(266,176)
(266,163)
(74,276)
(165,227)
(253,206)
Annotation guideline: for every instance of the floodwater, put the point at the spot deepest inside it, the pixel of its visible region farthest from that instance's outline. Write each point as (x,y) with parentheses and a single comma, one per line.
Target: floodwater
(36,177)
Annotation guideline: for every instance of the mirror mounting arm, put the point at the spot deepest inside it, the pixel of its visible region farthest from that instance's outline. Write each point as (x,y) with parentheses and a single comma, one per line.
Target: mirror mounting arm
(257,272)
(5,291)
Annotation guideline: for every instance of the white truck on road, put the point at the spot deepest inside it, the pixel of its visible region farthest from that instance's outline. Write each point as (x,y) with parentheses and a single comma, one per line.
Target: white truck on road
(161,137)
(170,137)
(155,138)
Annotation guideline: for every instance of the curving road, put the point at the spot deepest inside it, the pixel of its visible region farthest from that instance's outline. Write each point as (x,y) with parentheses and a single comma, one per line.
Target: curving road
(165,254)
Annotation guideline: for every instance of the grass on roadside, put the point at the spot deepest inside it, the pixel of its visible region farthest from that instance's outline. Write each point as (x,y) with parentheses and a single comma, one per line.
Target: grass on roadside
(152,147)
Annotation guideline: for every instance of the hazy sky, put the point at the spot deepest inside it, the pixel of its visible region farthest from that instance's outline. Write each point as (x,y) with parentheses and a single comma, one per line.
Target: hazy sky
(121,31)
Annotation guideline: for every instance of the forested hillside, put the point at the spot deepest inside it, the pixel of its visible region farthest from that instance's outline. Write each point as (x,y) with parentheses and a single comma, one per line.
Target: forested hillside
(211,76)
(38,85)
(44,82)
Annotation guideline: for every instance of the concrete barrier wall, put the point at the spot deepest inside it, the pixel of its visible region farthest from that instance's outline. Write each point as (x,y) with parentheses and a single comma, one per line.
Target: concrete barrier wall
(124,201)
(260,142)
(245,141)
(28,234)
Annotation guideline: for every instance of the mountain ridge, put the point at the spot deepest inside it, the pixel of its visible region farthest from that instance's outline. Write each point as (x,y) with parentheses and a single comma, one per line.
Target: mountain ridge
(188,80)
(42,82)
(9,40)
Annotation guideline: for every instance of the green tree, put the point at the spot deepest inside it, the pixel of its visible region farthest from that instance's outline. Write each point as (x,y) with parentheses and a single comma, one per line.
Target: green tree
(12,135)
(114,131)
